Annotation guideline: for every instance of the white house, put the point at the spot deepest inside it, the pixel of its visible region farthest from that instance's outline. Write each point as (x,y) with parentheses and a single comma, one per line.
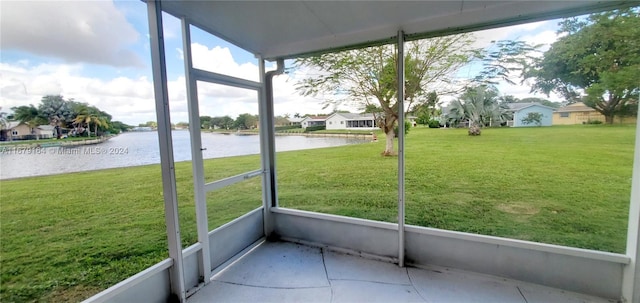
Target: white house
(295,121)
(313,121)
(46,131)
(351,121)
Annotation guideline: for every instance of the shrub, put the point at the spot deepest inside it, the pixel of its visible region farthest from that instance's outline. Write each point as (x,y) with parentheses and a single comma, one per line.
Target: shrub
(434,123)
(314,128)
(474,130)
(285,127)
(594,122)
(407,126)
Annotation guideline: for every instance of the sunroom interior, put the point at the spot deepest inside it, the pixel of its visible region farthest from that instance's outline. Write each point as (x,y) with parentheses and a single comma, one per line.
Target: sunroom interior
(254,244)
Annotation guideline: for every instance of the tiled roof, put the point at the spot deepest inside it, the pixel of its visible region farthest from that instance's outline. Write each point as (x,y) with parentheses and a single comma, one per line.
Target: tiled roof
(13,124)
(576,107)
(317,118)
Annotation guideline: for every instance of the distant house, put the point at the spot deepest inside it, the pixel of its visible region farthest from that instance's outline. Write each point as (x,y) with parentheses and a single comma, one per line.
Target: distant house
(351,121)
(412,120)
(142,129)
(579,113)
(16,130)
(521,110)
(46,131)
(295,121)
(313,121)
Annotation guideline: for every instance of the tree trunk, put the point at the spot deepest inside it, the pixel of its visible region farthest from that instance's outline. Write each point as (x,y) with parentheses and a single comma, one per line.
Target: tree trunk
(609,118)
(388,150)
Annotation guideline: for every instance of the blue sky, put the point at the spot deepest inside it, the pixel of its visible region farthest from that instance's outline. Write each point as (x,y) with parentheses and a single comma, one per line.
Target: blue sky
(98,52)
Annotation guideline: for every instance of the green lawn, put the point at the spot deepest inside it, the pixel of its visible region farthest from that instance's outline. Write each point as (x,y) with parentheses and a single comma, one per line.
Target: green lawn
(66,237)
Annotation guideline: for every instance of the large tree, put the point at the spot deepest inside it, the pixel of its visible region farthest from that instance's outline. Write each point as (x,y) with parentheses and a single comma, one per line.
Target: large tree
(56,109)
(596,61)
(367,76)
(246,121)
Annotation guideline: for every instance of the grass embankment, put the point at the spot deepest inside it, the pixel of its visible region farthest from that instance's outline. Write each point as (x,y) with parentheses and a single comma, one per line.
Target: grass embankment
(66,237)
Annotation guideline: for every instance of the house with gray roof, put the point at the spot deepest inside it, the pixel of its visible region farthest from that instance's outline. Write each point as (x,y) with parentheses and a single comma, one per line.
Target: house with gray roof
(520,111)
(309,121)
(351,121)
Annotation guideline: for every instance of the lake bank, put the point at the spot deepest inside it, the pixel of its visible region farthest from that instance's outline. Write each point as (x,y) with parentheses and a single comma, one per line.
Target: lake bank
(361,135)
(141,148)
(45,143)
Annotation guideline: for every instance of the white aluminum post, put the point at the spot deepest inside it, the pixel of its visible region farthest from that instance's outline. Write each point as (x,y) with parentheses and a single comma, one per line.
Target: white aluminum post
(197,164)
(264,150)
(400,78)
(158,64)
(631,276)
(267,143)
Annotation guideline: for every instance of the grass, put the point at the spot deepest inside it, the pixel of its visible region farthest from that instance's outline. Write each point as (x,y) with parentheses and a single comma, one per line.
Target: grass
(66,237)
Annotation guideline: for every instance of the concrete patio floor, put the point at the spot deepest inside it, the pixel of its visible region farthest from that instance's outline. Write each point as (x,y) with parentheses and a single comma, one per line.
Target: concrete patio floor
(289,272)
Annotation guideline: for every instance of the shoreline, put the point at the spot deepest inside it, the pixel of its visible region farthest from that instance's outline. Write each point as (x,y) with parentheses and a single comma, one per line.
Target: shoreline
(57,143)
(337,135)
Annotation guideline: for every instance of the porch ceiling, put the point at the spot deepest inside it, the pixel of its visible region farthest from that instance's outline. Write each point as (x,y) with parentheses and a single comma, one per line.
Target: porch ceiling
(285,29)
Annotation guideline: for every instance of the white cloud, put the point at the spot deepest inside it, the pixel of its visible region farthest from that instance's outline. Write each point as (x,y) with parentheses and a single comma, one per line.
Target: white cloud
(220,60)
(518,32)
(74,31)
(131,100)
(544,38)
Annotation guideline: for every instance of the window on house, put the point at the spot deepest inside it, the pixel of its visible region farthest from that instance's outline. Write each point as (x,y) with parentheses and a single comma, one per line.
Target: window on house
(14,132)
(341,122)
(564,115)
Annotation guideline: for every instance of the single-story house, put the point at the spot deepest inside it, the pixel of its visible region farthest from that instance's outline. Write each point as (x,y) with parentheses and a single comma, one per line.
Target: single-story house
(17,130)
(580,113)
(351,121)
(313,121)
(295,121)
(520,111)
(46,131)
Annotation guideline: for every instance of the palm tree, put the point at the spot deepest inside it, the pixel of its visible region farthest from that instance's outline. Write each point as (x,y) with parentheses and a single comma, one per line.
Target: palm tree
(29,115)
(480,107)
(89,119)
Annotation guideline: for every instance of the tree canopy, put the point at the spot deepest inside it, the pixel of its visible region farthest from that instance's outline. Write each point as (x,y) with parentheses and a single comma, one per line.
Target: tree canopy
(367,77)
(61,113)
(595,61)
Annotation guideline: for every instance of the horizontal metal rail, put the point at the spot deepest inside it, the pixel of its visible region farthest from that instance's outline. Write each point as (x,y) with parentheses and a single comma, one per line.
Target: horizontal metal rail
(211,77)
(231,180)
(109,293)
(522,244)
(535,246)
